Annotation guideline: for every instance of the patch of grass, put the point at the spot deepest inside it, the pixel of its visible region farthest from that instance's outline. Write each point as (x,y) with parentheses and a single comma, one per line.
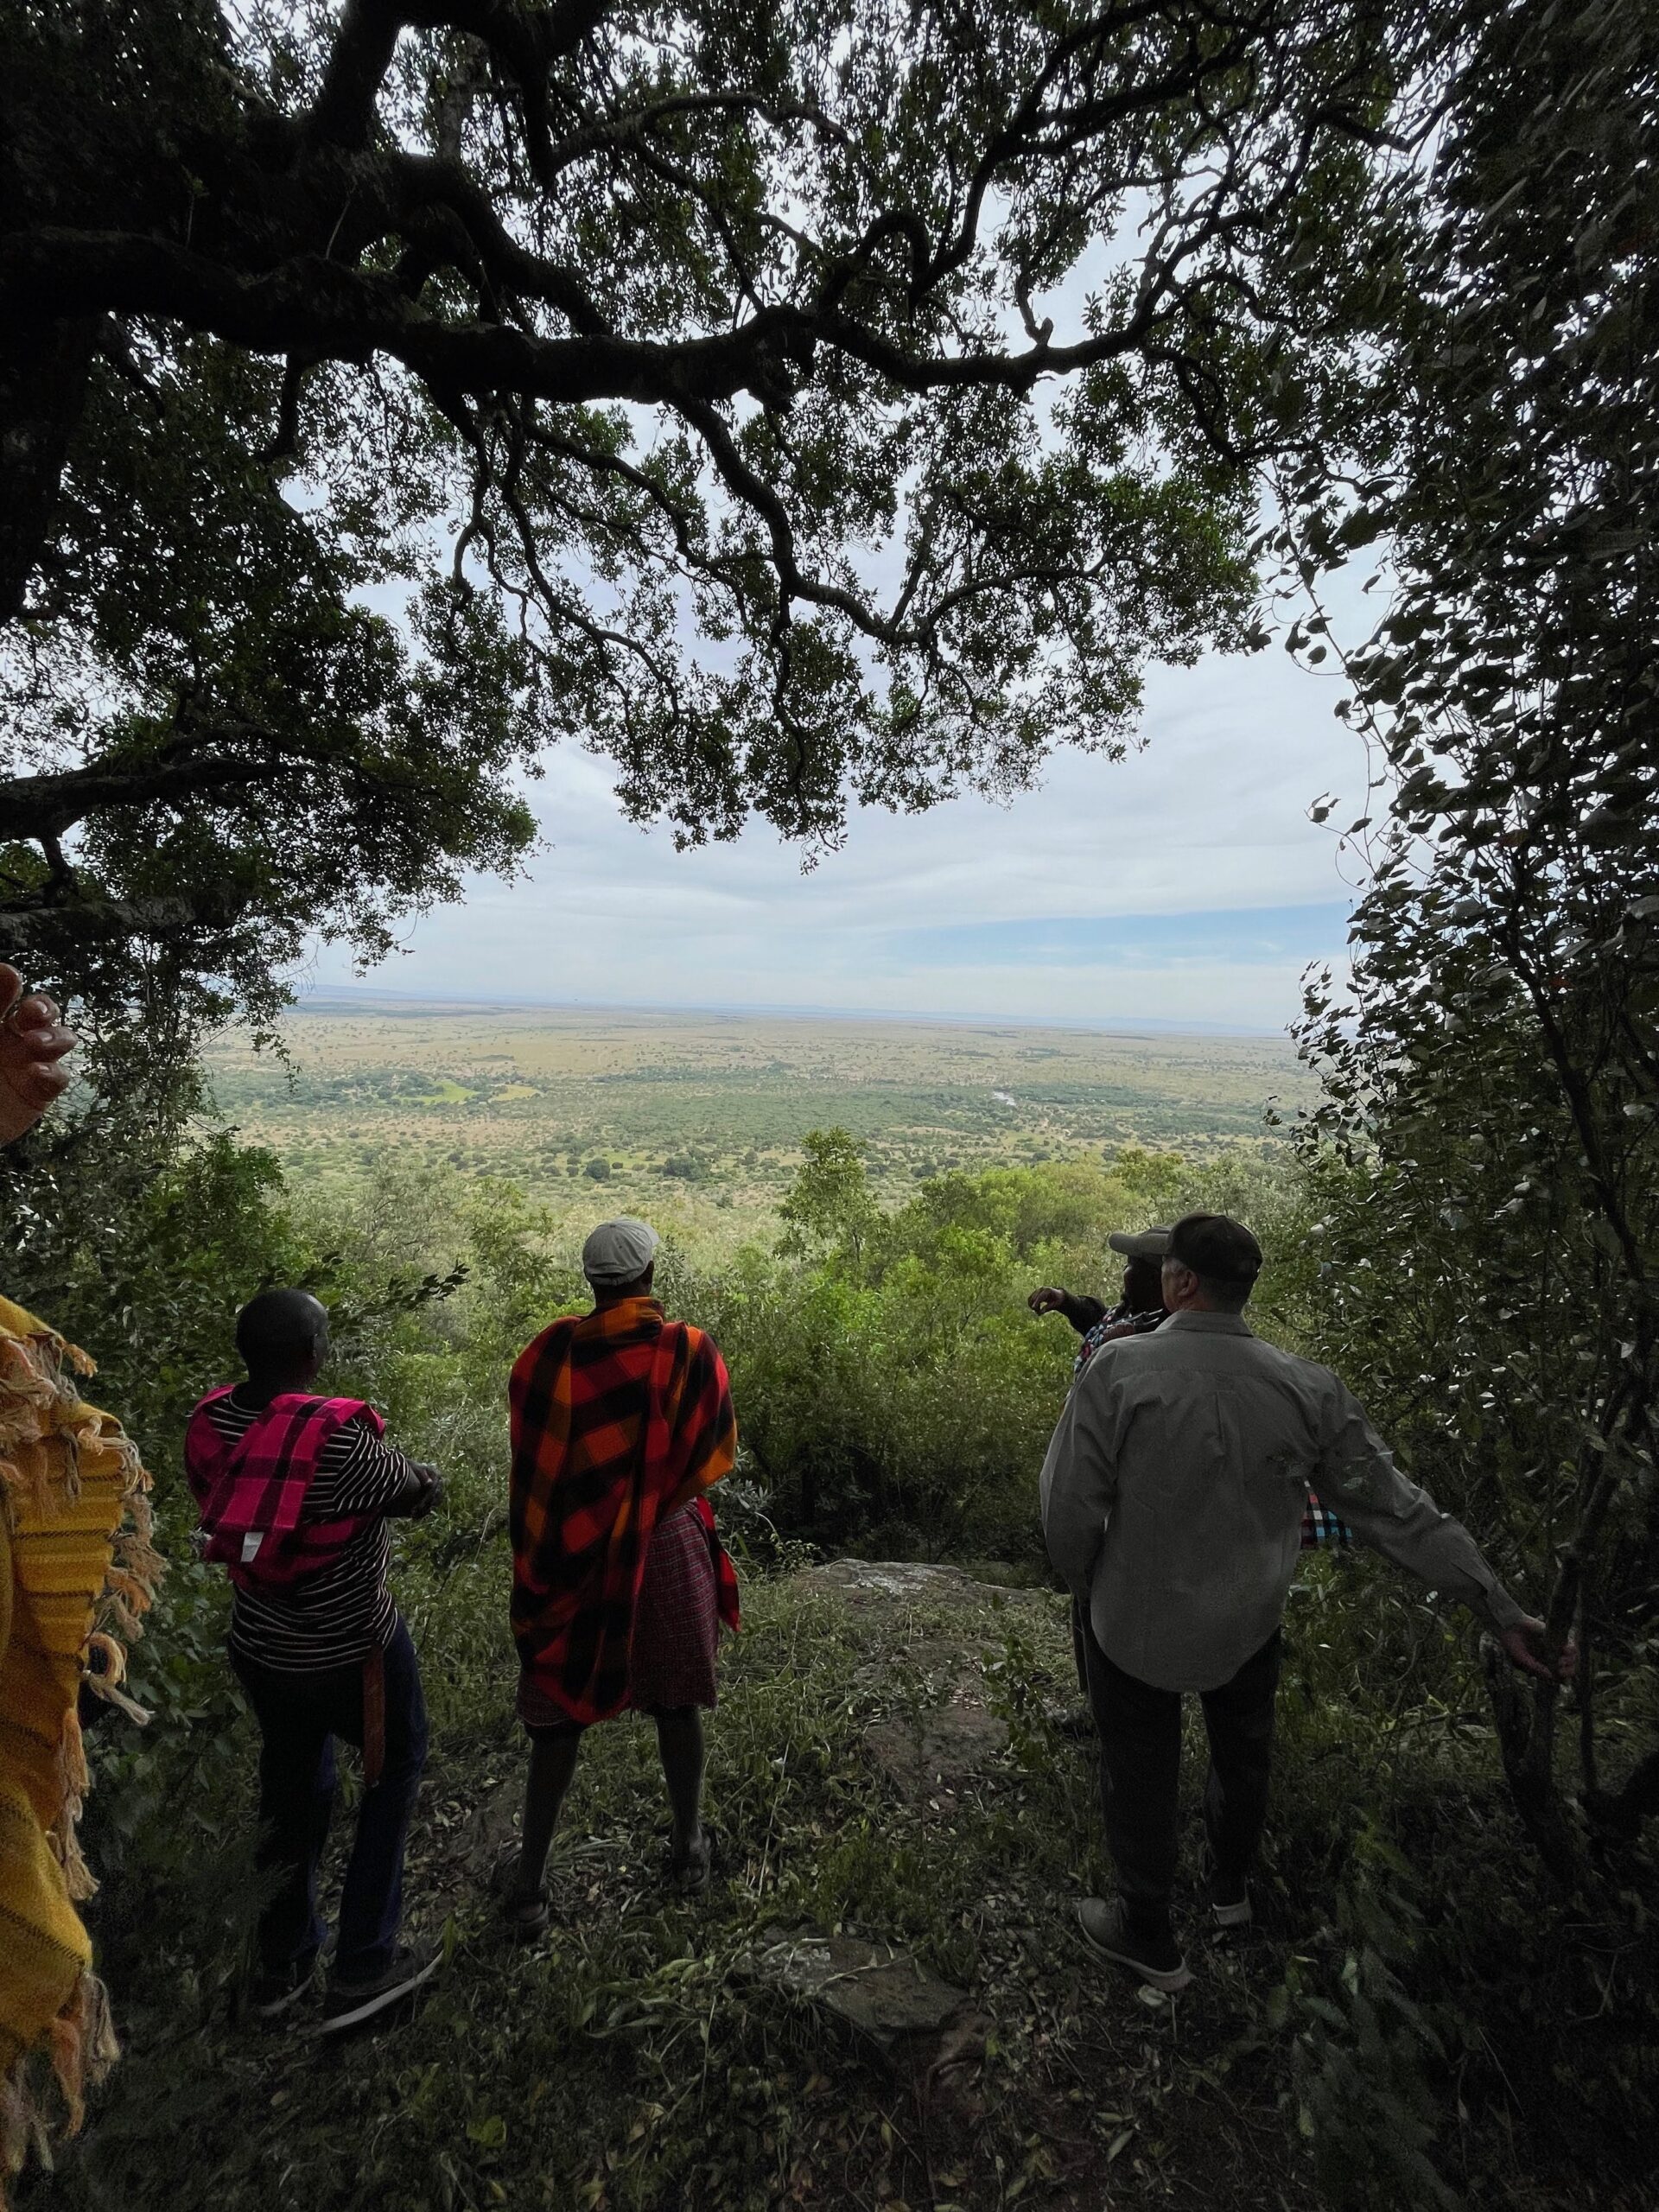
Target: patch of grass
(639,2058)
(635,2059)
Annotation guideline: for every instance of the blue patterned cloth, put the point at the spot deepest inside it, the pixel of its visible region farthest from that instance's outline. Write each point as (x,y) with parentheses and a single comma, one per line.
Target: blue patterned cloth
(1120,1322)
(1321,1526)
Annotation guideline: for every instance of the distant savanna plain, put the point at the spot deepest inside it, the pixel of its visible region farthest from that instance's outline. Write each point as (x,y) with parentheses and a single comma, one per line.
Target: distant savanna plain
(695,1118)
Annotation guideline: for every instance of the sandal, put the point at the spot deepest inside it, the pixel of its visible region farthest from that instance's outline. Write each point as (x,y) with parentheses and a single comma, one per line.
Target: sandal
(525,1913)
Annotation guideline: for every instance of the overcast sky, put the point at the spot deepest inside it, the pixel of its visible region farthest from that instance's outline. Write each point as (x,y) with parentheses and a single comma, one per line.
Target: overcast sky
(1184,884)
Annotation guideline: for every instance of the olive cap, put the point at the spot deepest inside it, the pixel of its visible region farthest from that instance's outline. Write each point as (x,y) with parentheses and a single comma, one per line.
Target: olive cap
(1141,1243)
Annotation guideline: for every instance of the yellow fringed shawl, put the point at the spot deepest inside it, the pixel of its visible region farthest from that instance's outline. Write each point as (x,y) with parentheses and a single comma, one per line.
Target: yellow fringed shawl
(75,1563)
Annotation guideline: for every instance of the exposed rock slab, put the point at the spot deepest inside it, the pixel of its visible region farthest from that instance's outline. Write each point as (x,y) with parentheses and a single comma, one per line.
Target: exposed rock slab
(938,1754)
(864,1583)
(916,2023)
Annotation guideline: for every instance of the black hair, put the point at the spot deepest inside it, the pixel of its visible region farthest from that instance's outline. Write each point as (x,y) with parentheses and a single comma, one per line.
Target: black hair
(279,1325)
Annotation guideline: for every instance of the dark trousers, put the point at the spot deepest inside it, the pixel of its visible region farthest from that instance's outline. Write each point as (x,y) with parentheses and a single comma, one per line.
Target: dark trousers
(1140,1731)
(299,1717)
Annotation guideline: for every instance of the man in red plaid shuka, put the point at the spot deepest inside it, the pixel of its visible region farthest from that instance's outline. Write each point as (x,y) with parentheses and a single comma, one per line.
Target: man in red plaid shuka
(621,1421)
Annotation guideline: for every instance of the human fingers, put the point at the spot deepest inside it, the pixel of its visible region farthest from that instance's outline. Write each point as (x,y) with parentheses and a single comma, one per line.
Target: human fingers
(44,1081)
(34,1042)
(1520,1643)
(34,1022)
(31,1016)
(35,1012)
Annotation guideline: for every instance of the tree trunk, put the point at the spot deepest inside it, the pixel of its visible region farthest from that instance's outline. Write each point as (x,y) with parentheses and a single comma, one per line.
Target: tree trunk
(1525,1717)
(43,367)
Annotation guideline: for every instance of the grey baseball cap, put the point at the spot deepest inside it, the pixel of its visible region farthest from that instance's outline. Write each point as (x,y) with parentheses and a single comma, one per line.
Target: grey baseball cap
(1141,1243)
(619,1250)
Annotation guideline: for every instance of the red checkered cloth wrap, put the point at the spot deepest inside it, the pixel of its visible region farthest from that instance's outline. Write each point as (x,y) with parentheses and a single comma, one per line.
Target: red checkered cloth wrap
(258,1486)
(620,1419)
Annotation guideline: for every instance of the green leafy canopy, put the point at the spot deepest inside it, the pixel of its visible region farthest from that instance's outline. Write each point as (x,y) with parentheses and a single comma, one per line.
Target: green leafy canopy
(699,376)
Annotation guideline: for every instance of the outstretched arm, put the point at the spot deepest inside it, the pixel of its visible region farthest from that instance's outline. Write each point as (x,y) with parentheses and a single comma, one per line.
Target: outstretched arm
(423,1490)
(33,1044)
(1358,1477)
(1081,1312)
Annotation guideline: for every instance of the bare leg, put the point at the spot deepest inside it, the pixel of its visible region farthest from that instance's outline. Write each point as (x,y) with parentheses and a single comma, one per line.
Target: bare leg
(679,1740)
(552,1762)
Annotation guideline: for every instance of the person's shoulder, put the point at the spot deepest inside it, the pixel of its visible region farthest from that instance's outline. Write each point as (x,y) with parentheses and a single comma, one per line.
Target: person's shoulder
(562,1327)
(699,1344)
(1309,1375)
(1112,1362)
(219,1412)
(357,1417)
(341,1409)
(1135,1347)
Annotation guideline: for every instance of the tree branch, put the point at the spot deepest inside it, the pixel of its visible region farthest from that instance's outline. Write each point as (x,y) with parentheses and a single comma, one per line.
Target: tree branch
(40,808)
(525,41)
(25,928)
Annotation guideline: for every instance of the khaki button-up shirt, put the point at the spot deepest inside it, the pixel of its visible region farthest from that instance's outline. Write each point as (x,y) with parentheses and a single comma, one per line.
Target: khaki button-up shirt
(1173,1490)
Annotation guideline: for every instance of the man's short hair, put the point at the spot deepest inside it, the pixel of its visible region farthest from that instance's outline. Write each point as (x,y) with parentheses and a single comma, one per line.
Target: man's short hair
(618,1252)
(1220,1251)
(279,1324)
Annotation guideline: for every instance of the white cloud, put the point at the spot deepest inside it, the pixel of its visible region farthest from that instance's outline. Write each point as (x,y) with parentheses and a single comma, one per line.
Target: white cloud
(1210,816)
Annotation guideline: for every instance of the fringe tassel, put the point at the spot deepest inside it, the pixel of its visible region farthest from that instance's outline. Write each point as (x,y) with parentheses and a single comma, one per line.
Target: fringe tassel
(24,1474)
(44,1410)
(138,1714)
(81,2048)
(72,1784)
(113,1655)
(72,1777)
(22,2129)
(78,1877)
(133,1594)
(139,1560)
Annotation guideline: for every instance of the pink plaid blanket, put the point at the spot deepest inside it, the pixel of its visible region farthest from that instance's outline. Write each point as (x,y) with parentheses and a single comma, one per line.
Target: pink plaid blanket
(249,1495)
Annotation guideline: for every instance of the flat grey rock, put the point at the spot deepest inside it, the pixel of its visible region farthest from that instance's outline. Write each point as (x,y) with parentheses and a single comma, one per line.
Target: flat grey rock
(886,1582)
(940,1752)
(912,2020)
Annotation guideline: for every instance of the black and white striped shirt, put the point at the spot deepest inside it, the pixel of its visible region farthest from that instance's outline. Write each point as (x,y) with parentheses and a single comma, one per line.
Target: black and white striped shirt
(343,1612)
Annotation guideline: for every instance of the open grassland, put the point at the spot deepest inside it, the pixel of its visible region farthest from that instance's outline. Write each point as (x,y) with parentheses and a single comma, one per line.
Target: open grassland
(698,1116)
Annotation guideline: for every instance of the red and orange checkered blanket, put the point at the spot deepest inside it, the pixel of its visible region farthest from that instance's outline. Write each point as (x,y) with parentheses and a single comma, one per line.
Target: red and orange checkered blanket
(619,1417)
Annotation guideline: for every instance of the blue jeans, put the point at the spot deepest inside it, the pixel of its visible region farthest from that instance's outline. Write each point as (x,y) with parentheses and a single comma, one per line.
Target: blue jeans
(299,1717)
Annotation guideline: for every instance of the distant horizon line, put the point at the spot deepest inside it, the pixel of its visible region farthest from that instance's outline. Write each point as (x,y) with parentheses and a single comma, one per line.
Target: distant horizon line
(361,995)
